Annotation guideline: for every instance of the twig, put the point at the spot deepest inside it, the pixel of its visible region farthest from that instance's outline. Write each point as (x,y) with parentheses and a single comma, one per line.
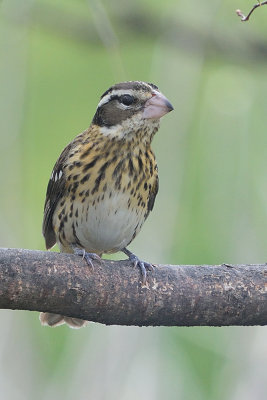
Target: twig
(113,294)
(246,18)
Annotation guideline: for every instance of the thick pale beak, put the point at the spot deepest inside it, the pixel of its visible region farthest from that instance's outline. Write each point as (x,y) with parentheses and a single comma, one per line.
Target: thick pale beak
(157,106)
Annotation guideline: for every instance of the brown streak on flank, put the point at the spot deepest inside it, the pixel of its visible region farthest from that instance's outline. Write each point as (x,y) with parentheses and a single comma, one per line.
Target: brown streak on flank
(107,164)
(85,178)
(91,164)
(100,177)
(74,188)
(131,167)
(86,152)
(139,184)
(103,167)
(118,169)
(118,182)
(140,163)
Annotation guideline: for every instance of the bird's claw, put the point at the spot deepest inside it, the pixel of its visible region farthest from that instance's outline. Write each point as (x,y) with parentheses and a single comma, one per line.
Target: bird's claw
(89,257)
(142,265)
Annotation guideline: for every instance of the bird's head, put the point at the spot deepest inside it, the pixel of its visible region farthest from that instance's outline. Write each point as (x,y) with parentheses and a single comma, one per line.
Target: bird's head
(131,110)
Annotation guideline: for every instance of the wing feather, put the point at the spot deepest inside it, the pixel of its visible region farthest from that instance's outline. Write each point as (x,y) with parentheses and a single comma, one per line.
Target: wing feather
(55,191)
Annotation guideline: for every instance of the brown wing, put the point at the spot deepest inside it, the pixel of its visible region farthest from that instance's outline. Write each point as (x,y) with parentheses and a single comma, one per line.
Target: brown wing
(55,191)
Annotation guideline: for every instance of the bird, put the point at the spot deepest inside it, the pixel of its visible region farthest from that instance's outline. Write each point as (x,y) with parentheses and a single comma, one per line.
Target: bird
(104,184)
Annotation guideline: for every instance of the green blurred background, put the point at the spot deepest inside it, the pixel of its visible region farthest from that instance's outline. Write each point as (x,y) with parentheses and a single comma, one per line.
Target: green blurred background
(56,58)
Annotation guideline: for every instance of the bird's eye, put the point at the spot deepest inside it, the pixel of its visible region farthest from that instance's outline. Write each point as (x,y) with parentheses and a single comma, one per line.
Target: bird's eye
(126,99)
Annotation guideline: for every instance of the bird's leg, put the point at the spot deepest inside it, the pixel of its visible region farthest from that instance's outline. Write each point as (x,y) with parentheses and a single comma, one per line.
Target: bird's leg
(89,257)
(143,265)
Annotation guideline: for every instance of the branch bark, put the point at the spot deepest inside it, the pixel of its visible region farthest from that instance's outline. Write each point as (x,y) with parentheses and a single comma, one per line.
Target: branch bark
(112,293)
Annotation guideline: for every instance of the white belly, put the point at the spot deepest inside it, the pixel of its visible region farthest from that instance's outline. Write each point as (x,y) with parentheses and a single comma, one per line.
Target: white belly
(108,225)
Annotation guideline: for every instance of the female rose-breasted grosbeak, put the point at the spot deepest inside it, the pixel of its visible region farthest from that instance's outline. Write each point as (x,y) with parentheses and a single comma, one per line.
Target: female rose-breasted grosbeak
(104,184)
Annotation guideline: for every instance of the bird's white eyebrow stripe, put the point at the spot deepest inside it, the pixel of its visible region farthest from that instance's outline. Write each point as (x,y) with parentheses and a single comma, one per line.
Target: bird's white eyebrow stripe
(118,92)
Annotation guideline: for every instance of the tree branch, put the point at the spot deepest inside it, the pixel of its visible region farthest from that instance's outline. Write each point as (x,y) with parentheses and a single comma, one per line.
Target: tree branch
(112,293)
(246,18)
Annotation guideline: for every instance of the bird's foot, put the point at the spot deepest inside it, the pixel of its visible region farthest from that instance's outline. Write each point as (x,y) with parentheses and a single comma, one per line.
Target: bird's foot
(143,265)
(89,257)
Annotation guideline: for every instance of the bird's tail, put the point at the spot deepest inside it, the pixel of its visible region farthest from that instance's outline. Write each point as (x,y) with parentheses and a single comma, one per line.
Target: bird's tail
(53,320)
